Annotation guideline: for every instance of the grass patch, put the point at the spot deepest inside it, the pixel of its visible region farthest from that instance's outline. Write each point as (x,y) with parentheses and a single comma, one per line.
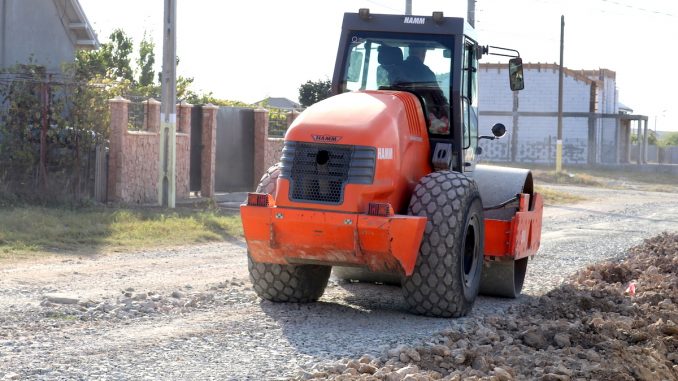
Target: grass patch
(602,177)
(568,178)
(31,229)
(556,197)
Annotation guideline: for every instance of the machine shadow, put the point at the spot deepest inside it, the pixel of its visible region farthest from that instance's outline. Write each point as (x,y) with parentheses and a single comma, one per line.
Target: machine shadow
(350,317)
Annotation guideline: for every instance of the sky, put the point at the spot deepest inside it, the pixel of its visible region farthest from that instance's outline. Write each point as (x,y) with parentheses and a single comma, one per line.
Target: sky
(250,50)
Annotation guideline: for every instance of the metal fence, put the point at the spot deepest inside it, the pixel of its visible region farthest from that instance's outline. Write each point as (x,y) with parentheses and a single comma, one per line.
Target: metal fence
(278,122)
(137,113)
(50,127)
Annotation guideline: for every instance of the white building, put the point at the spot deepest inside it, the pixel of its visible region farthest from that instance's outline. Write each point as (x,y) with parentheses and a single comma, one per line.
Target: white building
(596,128)
(48,32)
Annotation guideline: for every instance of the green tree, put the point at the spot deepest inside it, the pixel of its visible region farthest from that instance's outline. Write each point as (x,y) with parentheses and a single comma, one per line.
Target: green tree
(314,91)
(146,61)
(651,138)
(111,60)
(21,112)
(670,139)
(91,63)
(204,98)
(121,49)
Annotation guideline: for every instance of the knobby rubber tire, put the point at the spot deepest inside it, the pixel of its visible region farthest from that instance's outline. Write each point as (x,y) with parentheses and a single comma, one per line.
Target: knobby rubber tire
(288,283)
(446,278)
(285,283)
(268,182)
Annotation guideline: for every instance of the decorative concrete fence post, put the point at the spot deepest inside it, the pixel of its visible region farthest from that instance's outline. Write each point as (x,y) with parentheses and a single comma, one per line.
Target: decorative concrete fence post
(260,141)
(291,116)
(118,129)
(209,149)
(184,117)
(152,115)
(183,165)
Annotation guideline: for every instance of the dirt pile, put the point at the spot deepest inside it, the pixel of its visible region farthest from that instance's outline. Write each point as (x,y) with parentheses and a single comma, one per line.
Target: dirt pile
(611,321)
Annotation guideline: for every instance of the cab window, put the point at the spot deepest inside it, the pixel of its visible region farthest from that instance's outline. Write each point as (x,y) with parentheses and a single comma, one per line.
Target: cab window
(421,64)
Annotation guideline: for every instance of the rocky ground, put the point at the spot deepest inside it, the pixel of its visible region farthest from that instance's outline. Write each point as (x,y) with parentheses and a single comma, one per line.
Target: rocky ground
(612,321)
(190,313)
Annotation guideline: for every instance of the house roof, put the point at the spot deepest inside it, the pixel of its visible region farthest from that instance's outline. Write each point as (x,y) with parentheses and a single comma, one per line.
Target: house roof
(76,24)
(278,102)
(624,108)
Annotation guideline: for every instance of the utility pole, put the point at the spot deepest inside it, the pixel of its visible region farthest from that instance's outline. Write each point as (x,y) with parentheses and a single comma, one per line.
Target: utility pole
(559,142)
(168,115)
(471,12)
(408,7)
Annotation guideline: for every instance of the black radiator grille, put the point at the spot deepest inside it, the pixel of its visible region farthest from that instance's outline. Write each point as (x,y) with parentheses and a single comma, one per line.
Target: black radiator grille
(319,172)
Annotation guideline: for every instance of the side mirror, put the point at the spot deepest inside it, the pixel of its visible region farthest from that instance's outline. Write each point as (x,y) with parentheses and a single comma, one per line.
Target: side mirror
(355,66)
(498,130)
(516,74)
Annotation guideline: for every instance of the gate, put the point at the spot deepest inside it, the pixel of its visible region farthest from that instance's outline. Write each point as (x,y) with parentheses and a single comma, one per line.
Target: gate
(235,150)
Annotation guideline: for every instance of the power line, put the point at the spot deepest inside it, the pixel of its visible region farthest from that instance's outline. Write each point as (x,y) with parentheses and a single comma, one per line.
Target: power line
(661,13)
(619,6)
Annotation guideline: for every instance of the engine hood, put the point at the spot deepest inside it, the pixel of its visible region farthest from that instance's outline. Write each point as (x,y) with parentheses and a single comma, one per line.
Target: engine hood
(358,118)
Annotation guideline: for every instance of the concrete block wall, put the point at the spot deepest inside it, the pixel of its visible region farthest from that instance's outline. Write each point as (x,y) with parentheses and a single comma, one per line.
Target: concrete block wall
(183,164)
(261,144)
(140,152)
(209,149)
(274,148)
(134,167)
(267,150)
(535,135)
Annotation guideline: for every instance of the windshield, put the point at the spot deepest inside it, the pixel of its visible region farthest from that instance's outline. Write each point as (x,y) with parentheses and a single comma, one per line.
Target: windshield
(390,61)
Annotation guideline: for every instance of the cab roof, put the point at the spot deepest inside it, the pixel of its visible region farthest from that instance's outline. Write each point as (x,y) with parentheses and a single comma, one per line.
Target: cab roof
(407,24)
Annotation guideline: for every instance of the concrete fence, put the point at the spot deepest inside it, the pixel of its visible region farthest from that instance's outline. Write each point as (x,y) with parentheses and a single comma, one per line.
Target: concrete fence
(267,149)
(661,155)
(133,163)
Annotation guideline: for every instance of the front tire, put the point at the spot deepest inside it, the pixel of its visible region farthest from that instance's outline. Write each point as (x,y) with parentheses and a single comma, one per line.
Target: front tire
(446,277)
(285,283)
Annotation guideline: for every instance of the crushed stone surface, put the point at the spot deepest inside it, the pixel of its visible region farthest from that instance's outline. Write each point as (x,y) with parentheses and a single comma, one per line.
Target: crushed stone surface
(190,313)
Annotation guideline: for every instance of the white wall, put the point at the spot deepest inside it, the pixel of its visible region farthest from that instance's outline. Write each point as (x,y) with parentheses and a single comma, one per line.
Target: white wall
(33,28)
(537,135)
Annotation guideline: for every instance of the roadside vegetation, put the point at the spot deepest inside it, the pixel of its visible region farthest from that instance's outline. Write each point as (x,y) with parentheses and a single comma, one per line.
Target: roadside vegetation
(32,230)
(557,197)
(615,179)
(603,178)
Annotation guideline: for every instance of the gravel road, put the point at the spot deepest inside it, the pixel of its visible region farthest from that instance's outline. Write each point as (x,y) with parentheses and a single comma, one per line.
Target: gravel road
(190,313)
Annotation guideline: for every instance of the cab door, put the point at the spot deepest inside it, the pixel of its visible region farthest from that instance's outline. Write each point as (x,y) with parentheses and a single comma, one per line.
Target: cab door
(469,103)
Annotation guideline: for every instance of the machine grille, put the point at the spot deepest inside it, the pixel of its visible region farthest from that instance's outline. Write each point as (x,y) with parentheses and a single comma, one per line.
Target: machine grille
(319,172)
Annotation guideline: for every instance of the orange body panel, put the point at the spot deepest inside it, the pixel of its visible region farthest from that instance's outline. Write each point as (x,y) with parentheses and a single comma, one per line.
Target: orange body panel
(390,121)
(289,231)
(284,235)
(520,237)
(296,232)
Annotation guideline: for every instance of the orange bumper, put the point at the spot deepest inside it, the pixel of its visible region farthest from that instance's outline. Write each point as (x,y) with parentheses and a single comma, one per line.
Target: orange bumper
(520,237)
(295,236)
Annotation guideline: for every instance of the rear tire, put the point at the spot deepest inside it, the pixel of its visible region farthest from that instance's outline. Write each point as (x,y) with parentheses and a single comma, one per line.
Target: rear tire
(268,182)
(285,283)
(288,283)
(446,277)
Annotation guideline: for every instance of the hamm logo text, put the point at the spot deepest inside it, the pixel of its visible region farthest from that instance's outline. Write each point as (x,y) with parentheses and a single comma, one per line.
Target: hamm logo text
(414,20)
